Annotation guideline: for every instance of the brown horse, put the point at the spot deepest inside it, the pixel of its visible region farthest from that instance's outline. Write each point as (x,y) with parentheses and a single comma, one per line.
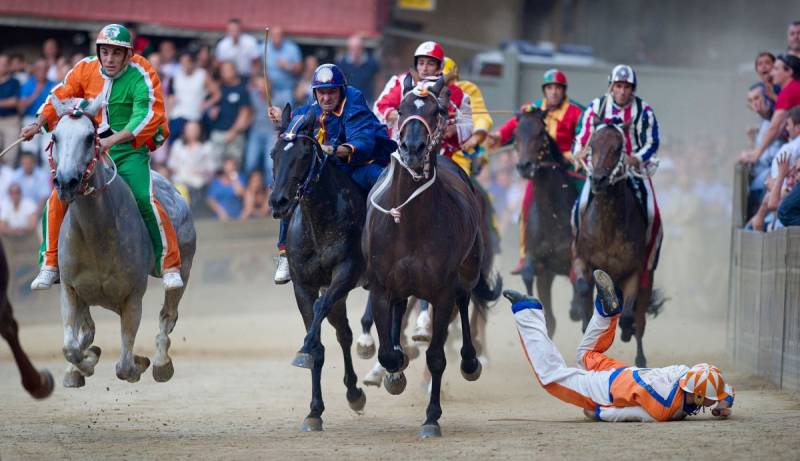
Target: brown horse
(39,384)
(424,237)
(612,236)
(548,236)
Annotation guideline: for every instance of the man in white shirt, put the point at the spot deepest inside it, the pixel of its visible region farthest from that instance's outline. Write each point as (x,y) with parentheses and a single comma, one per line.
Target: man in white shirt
(18,215)
(34,181)
(239,48)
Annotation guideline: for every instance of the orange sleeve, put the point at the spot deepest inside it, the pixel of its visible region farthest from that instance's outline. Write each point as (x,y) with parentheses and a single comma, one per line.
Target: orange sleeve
(71,87)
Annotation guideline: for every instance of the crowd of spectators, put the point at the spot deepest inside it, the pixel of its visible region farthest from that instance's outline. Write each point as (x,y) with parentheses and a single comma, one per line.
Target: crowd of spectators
(773,199)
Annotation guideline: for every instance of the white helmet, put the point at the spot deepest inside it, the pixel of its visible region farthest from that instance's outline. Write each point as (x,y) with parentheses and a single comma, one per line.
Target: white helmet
(623,73)
(705,381)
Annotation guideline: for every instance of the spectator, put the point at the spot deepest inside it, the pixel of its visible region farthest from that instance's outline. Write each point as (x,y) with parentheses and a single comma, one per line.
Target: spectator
(51,54)
(18,68)
(791,149)
(9,117)
(782,188)
(285,63)
(758,103)
(192,92)
(785,73)
(226,192)
(359,67)
(18,214)
(789,209)
(239,48)
(256,197)
(302,92)
(141,45)
(262,133)
(231,116)
(204,60)
(765,61)
(169,62)
(6,178)
(33,180)
(31,96)
(191,162)
(793,39)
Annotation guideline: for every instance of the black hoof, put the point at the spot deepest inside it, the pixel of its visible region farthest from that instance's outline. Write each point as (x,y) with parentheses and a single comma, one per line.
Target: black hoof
(46,385)
(582,286)
(475,374)
(428,431)
(626,335)
(575,312)
(311,425)
(358,403)
(303,360)
(395,383)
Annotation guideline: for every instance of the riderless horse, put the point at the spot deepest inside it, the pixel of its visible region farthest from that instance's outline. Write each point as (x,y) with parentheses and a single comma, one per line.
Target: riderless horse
(424,237)
(105,254)
(39,384)
(612,235)
(323,244)
(548,236)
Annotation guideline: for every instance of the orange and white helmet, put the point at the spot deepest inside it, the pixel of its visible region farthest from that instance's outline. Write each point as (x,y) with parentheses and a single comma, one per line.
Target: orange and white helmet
(430,50)
(705,381)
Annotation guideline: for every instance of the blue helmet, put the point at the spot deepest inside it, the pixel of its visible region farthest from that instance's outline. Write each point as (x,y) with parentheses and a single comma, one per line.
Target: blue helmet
(328,76)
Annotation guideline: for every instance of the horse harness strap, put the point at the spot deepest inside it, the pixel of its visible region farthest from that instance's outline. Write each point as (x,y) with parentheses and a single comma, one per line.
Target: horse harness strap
(395,211)
(317,164)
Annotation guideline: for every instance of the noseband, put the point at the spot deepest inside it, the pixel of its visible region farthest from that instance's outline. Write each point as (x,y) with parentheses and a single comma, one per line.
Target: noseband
(434,135)
(620,170)
(318,162)
(84,188)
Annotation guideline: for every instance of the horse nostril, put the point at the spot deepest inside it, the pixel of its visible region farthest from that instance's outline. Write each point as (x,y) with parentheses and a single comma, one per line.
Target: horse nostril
(73,182)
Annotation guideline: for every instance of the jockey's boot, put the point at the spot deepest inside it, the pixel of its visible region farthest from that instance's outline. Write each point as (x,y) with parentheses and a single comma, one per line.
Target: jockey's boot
(606,292)
(517,298)
(422,332)
(519,267)
(45,279)
(172,280)
(282,270)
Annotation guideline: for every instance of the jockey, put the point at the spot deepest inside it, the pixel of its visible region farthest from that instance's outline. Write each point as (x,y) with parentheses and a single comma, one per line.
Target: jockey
(345,127)
(131,125)
(428,63)
(621,106)
(563,116)
(607,389)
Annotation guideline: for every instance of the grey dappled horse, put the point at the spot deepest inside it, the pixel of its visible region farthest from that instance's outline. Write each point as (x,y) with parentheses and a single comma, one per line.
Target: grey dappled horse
(105,254)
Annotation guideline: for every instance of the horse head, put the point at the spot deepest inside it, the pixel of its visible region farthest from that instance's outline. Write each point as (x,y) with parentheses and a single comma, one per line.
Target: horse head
(74,149)
(534,145)
(423,117)
(607,156)
(293,156)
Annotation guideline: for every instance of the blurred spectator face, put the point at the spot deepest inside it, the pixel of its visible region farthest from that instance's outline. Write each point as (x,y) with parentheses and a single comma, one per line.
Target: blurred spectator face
(17,64)
(15,194)
(50,49)
(76,58)
(192,131)
(427,67)
(554,94)
(259,85)
(155,61)
(276,36)
(793,38)
(256,180)
(230,168)
(167,51)
(28,163)
(622,93)
(756,103)
(5,68)
(355,47)
(187,63)
(227,72)
(234,30)
(328,98)
(764,65)
(204,56)
(40,70)
(113,58)
(781,74)
(310,63)
(792,128)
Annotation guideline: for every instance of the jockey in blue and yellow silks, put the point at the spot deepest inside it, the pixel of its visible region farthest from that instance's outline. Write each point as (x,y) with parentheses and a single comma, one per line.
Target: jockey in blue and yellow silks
(346,128)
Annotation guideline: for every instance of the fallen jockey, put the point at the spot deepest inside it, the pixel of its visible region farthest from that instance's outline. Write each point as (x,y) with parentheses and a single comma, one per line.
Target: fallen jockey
(607,389)
(346,128)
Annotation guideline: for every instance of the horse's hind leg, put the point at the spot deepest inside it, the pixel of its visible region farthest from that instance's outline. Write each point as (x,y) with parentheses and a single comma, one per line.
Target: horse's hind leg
(544,283)
(471,367)
(436,363)
(39,384)
(630,291)
(477,322)
(338,318)
(130,366)
(640,320)
(582,306)
(162,362)
(528,275)
(365,346)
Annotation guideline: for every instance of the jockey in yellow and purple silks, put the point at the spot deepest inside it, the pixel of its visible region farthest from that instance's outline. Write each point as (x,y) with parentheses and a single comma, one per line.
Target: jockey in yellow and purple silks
(345,127)
(131,124)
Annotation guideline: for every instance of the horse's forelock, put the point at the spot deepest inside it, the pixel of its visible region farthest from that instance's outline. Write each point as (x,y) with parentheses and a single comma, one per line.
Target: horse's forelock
(606,140)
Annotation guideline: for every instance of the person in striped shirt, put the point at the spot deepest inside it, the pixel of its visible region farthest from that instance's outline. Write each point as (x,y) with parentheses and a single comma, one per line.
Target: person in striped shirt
(131,125)
(621,106)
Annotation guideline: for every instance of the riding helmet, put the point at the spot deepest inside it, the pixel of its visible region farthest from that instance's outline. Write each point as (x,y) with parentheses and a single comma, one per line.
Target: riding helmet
(431,50)
(554,76)
(623,73)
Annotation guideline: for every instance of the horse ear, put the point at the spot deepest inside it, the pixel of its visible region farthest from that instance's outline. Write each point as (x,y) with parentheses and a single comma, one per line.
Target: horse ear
(308,123)
(61,106)
(408,84)
(286,117)
(438,86)
(94,107)
(442,92)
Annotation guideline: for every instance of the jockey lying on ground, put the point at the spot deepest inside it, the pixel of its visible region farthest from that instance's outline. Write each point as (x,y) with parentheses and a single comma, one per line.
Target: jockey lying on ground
(345,127)
(608,389)
(130,126)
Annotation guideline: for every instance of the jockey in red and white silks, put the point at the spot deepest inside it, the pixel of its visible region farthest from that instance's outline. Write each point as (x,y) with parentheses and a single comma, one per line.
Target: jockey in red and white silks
(620,106)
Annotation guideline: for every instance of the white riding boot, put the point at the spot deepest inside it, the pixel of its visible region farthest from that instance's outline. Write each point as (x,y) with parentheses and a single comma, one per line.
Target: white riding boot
(282,270)
(172,280)
(422,332)
(45,279)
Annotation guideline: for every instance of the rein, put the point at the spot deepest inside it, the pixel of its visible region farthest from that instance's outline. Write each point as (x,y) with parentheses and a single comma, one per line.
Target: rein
(620,170)
(318,162)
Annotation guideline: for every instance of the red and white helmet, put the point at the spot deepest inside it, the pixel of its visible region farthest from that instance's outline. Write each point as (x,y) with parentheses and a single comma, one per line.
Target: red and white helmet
(705,381)
(430,50)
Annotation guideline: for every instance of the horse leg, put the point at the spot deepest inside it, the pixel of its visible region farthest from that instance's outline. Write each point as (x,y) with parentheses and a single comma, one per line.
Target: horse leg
(78,336)
(39,384)
(130,366)
(630,291)
(436,364)
(640,319)
(410,348)
(365,346)
(395,381)
(162,362)
(582,303)
(478,320)
(544,282)
(528,274)
(391,358)
(305,296)
(338,319)
(471,367)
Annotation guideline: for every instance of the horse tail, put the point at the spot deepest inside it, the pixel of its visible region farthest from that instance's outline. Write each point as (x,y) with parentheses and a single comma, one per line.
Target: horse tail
(657,300)
(487,290)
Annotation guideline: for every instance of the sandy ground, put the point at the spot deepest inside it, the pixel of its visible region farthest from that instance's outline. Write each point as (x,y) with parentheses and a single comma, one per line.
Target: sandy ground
(235,395)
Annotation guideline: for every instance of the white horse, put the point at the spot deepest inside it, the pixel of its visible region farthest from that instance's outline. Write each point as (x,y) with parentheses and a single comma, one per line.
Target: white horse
(105,254)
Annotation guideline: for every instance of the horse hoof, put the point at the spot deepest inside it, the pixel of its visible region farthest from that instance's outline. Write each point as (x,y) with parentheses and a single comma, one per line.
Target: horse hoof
(365,346)
(641,362)
(428,431)
(375,376)
(90,359)
(575,313)
(163,373)
(74,379)
(311,425)
(406,361)
(395,383)
(96,351)
(358,403)
(474,375)
(46,385)
(303,360)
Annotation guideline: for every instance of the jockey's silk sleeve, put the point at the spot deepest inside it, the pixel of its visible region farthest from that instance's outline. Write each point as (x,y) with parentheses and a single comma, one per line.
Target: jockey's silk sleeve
(147,115)
(70,87)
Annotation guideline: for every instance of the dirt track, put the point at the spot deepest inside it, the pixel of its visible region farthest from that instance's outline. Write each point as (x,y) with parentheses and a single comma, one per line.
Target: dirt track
(234,394)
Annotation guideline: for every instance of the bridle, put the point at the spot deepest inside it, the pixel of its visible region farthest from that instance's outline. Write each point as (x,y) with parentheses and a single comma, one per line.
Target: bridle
(318,161)
(620,170)
(83,188)
(541,154)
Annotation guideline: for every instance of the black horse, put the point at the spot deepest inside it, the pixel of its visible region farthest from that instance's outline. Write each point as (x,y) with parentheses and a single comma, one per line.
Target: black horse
(323,246)
(424,237)
(39,384)
(548,233)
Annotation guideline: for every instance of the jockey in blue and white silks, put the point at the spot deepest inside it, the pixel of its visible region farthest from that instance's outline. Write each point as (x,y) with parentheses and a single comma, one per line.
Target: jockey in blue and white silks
(620,106)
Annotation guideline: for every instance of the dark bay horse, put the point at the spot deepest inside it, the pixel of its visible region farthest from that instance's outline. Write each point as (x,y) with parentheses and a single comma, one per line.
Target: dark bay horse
(39,384)
(612,236)
(424,237)
(323,243)
(548,235)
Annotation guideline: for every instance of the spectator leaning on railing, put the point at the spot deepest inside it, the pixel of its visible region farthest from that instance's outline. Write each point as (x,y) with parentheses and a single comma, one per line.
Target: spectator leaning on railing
(758,103)
(32,95)
(765,61)
(9,117)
